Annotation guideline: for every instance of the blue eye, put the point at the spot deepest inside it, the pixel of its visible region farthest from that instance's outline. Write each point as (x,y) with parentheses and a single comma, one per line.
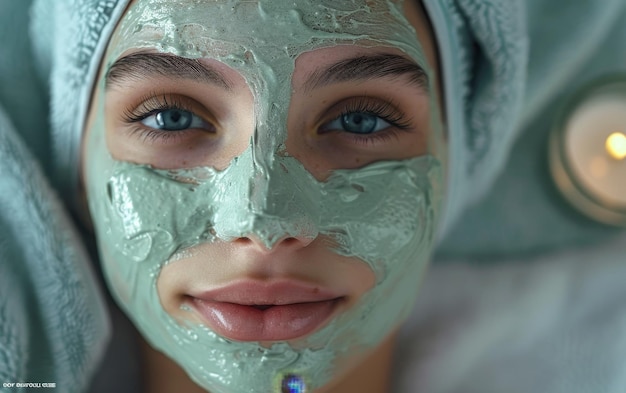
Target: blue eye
(173,120)
(358,123)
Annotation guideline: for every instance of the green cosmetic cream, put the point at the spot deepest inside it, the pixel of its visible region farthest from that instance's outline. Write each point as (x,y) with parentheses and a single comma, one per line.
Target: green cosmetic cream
(383,214)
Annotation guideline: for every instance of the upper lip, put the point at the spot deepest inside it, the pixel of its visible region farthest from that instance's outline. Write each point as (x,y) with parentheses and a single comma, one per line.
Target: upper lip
(259,293)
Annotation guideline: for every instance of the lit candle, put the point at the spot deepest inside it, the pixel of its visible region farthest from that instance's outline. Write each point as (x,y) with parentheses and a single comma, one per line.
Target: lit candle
(588,151)
(596,151)
(616,145)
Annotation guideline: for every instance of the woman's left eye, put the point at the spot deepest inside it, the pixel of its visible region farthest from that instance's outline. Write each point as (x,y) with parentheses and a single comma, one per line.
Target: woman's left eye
(362,123)
(174,120)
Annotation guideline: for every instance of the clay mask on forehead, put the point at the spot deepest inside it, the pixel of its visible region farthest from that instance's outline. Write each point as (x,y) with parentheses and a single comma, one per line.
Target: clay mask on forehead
(383,214)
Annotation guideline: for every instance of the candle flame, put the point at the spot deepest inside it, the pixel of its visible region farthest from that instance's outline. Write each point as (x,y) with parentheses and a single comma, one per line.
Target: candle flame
(616,145)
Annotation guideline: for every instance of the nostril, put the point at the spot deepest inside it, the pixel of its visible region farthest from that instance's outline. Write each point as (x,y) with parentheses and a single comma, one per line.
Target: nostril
(294,241)
(289,241)
(244,240)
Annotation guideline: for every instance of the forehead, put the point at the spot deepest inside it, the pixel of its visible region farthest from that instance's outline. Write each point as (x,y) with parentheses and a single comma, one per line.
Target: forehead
(238,29)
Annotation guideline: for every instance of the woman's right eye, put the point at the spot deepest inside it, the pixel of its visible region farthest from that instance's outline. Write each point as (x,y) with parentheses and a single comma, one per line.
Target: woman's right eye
(174,119)
(361,123)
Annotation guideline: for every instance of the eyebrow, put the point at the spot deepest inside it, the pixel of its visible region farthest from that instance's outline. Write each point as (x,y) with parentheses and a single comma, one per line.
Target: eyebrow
(369,67)
(138,66)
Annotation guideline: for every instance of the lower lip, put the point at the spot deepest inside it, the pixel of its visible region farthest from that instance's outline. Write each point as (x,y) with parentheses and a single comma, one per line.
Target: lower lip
(277,323)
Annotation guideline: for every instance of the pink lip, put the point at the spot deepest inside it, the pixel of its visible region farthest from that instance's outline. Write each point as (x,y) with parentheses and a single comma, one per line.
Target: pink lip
(258,311)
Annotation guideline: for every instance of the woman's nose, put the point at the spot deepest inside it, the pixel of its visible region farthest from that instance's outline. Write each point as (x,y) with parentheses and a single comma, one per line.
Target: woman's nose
(273,227)
(276,208)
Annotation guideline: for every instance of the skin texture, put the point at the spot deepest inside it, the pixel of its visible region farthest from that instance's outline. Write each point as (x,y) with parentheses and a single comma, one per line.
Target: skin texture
(261,253)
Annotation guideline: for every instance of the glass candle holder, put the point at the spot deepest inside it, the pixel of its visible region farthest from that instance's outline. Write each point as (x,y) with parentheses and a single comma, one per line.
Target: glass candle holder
(588,150)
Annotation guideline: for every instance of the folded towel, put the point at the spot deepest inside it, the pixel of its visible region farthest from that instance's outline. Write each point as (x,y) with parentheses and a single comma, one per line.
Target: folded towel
(53,326)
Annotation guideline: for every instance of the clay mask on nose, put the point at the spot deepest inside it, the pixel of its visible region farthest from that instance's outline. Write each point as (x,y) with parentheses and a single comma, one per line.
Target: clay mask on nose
(384,213)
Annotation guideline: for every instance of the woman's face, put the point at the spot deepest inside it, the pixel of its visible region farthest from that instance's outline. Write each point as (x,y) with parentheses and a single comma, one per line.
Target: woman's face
(264,178)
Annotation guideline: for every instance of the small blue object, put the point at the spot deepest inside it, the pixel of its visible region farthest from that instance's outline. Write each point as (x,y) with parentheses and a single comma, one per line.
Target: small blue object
(293,384)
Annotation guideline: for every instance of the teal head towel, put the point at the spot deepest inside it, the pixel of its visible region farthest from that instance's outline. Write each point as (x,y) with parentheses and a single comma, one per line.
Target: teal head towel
(483,49)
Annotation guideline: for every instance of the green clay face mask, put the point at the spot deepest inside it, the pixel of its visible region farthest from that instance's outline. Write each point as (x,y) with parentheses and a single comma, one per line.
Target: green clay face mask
(384,214)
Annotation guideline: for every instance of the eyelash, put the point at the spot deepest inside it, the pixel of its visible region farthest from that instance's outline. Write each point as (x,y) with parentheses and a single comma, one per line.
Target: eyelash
(151,105)
(386,110)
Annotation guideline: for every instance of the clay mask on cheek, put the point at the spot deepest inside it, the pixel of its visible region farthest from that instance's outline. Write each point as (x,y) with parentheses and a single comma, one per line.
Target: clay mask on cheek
(384,214)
